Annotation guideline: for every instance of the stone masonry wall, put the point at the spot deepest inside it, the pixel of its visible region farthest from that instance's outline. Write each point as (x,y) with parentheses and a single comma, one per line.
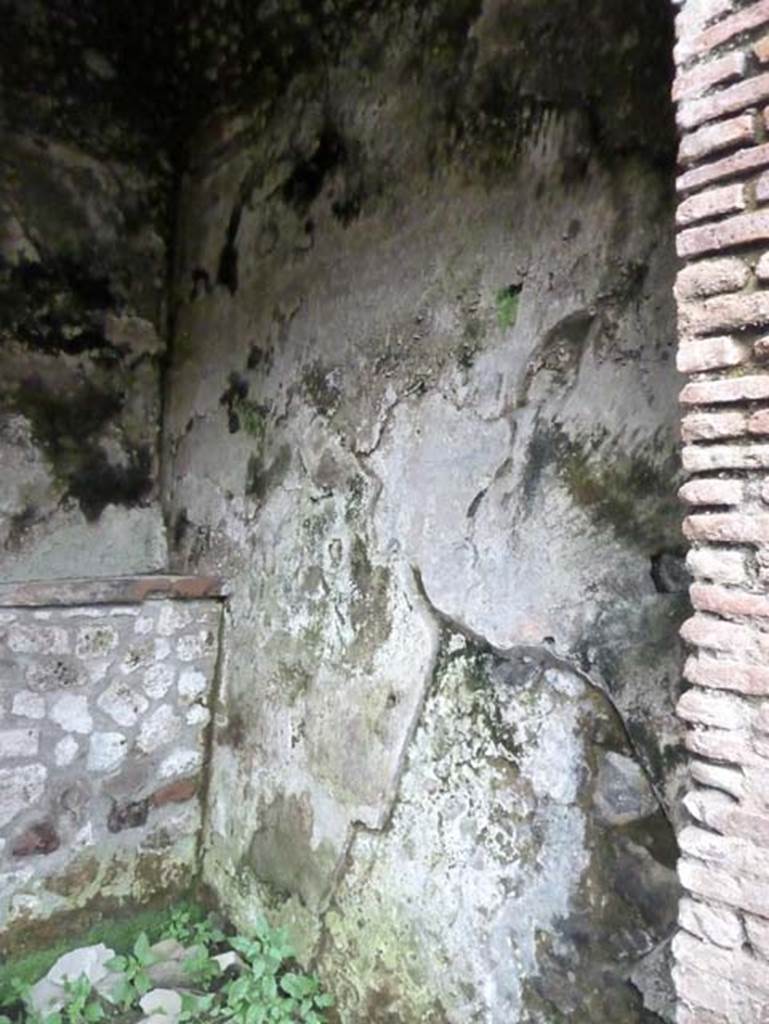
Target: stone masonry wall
(722,92)
(104,704)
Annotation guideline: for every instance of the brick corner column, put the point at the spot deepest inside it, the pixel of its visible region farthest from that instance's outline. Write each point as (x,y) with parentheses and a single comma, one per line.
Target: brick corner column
(722,98)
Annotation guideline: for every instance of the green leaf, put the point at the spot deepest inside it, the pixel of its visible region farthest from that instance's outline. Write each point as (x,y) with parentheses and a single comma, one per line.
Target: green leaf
(142,950)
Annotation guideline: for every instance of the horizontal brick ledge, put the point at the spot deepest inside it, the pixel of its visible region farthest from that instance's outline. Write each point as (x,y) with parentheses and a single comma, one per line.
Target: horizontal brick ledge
(109,590)
(751,17)
(723,601)
(737,389)
(704,76)
(719,674)
(711,138)
(748,93)
(742,229)
(728,167)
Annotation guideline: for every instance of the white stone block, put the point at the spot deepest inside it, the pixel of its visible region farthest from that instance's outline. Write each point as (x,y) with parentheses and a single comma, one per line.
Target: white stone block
(28,704)
(106,750)
(72,714)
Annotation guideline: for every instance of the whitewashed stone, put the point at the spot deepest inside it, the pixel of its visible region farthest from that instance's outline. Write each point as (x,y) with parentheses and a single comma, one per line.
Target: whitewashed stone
(198,714)
(123,702)
(172,619)
(65,751)
(71,713)
(192,685)
(181,762)
(96,641)
(28,704)
(106,750)
(158,680)
(144,625)
(191,646)
(19,743)
(162,727)
(162,1001)
(24,639)
(49,994)
(19,789)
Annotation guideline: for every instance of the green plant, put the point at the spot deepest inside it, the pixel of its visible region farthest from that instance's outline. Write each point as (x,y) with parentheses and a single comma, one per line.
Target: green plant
(506,301)
(267,991)
(80,1008)
(136,980)
(201,967)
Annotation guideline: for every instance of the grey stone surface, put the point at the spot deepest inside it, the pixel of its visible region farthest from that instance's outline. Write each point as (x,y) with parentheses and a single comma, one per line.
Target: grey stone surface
(78,434)
(455,412)
(623,793)
(49,994)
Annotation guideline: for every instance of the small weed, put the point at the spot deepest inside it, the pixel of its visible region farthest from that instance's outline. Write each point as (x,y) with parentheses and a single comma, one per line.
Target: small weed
(136,979)
(268,989)
(506,301)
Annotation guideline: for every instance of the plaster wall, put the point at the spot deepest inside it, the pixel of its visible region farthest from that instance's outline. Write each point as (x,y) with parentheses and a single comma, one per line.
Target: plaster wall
(428,430)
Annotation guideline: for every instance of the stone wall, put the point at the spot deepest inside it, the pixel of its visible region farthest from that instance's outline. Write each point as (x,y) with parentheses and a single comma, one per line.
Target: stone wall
(422,413)
(722,89)
(105,693)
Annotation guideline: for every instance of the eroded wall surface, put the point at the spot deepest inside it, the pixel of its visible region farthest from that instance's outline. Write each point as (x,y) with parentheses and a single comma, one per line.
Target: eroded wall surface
(83,260)
(422,414)
(104,707)
(722,951)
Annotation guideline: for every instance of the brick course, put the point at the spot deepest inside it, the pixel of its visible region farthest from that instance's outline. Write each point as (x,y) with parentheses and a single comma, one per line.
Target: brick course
(722,292)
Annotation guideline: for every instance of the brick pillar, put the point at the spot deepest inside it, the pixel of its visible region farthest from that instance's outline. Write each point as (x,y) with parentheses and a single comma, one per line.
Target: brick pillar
(722,96)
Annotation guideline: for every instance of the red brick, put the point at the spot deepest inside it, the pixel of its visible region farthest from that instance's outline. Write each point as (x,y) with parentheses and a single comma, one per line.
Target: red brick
(715,709)
(729,167)
(719,925)
(718,776)
(759,421)
(761,50)
(730,637)
(713,203)
(727,675)
(724,313)
(729,527)
(739,389)
(743,229)
(719,812)
(723,745)
(714,883)
(738,131)
(726,602)
(762,188)
(711,277)
(748,93)
(753,16)
(712,426)
(686,1015)
(732,965)
(734,854)
(702,76)
(710,354)
(37,839)
(704,992)
(712,491)
(724,565)
(175,792)
(758,934)
(708,458)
